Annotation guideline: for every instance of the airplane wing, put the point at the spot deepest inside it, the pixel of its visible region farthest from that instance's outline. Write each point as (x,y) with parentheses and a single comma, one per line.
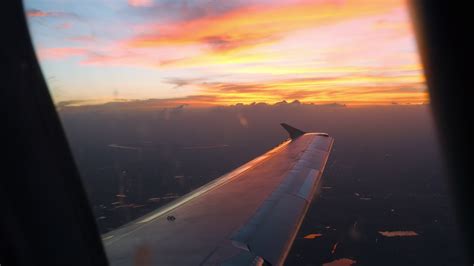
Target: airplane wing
(249,216)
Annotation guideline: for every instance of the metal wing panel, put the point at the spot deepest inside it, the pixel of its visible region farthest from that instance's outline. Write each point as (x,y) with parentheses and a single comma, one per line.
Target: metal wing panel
(248,215)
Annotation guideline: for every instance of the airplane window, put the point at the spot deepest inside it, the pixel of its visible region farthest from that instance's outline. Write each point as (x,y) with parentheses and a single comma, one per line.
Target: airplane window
(159,98)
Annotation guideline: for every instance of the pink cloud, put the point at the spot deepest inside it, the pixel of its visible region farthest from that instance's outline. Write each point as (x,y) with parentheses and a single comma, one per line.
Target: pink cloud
(60,53)
(64,26)
(41,13)
(140,3)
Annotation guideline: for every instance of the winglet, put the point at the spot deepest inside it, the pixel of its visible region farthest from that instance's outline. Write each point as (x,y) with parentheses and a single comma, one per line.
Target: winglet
(294,132)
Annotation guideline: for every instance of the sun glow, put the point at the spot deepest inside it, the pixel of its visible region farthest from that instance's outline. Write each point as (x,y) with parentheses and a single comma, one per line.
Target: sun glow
(208,53)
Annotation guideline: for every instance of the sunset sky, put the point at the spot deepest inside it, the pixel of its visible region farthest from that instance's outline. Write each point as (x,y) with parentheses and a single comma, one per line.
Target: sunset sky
(214,52)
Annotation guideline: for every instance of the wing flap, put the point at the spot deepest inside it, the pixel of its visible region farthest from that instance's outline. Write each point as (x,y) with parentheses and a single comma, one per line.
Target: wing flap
(274,237)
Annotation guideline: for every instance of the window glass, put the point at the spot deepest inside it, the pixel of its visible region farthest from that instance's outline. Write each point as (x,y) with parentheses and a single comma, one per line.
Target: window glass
(160,97)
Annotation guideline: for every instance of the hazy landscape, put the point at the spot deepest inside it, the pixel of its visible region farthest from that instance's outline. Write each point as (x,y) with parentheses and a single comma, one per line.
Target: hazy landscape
(384,199)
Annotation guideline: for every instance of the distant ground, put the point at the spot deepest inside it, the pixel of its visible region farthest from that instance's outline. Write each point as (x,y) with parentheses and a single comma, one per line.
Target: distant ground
(383,201)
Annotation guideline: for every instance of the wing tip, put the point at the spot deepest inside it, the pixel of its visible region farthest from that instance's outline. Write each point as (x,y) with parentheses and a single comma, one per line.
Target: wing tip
(292,131)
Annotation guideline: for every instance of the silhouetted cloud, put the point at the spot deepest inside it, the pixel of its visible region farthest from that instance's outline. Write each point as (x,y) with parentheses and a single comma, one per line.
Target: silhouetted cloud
(180,82)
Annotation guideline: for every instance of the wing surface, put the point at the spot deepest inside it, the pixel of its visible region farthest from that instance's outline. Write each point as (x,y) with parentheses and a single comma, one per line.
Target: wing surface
(249,216)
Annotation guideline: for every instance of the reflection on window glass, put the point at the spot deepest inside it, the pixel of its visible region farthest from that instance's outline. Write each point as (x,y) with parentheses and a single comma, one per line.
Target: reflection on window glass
(160,97)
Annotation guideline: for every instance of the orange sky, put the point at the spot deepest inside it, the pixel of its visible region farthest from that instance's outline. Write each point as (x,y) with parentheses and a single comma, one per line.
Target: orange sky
(218,53)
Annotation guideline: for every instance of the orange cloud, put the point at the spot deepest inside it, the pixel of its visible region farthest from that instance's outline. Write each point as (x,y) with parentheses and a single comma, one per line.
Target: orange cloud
(36,13)
(353,52)
(352,90)
(40,13)
(253,25)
